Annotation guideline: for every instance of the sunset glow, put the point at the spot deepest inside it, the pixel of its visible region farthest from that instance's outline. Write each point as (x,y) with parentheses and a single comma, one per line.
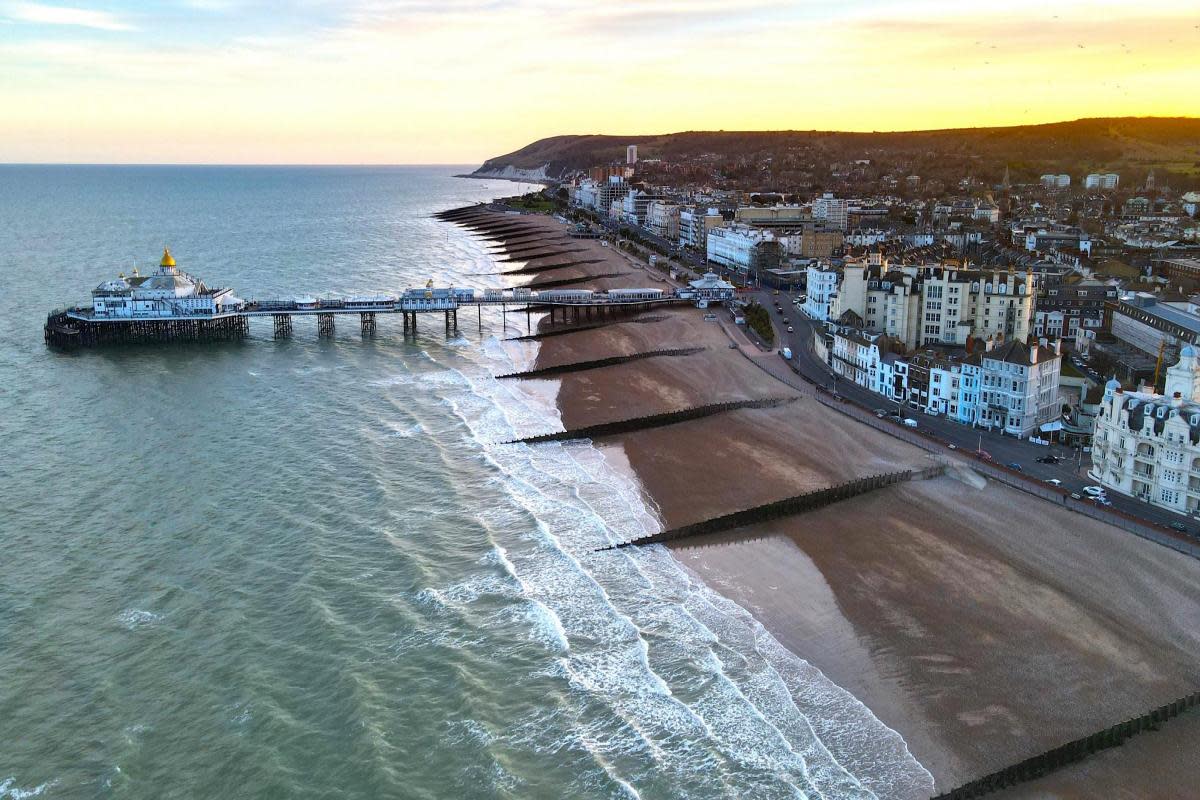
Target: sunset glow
(457,81)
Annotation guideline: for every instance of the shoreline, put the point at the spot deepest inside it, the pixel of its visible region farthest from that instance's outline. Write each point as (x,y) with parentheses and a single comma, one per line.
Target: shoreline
(932,626)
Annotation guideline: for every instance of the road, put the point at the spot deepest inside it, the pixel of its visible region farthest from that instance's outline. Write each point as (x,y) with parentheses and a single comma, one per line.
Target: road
(1071,470)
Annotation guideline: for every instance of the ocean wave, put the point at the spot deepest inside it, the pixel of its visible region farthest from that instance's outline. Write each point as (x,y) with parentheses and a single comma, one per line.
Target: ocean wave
(134,618)
(9,790)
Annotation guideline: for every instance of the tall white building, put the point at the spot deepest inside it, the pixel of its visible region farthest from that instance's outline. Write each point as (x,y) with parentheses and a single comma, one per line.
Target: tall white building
(821,289)
(1056,181)
(1102,180)
(834,210)
(1148,445)
(631,154)
(734,246)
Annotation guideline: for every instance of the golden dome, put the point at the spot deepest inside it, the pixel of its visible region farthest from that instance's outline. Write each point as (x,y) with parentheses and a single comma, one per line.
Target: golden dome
(168,260)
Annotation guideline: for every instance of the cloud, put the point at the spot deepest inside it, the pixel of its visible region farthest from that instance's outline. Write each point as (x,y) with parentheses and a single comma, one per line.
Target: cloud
(39,14)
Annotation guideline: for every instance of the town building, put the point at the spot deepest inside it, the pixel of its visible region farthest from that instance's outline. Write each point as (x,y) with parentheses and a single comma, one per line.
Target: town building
(936,305)
(1050,181)
(773,216)
(662,218)
(1007,386)
(821,288)
(743,249)
(631,154)
(1103,181)
(1147,445)
(1143,322)
(1063,309)
(1018,390)
(694,225)
(835,211)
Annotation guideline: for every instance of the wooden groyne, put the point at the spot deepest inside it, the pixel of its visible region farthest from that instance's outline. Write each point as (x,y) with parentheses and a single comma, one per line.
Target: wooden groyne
(651,421)
(580,366)
(1072,752)
(560,331)
(511,258)
(568,281)
(809,501)
(549,267)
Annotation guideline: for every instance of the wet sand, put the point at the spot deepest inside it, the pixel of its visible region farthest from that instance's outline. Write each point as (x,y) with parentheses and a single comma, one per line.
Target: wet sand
(984,625)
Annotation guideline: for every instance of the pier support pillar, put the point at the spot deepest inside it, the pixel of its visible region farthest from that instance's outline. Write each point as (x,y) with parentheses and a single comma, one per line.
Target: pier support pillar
(283,325)
(368,322)
(325,325)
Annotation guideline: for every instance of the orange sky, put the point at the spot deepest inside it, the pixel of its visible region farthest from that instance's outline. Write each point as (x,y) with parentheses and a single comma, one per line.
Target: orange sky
(456,81)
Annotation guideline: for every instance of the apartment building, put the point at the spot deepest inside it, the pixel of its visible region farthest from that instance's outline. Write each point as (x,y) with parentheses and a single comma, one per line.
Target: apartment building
(936,305)
(694,225)
(834,211)
(1064,309)
(1105,180)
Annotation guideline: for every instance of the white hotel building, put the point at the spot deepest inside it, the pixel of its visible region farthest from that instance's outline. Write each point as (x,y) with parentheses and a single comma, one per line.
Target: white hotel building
(1147,445)
(734,246)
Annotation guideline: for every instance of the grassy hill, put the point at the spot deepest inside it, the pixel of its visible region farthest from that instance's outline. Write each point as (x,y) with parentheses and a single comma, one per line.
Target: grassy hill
(1132,145)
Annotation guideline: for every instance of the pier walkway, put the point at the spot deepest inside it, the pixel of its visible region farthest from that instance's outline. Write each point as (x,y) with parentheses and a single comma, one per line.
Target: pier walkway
(170,320)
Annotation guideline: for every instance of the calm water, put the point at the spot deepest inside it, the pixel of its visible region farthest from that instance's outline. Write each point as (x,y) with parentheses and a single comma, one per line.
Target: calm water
(303,569)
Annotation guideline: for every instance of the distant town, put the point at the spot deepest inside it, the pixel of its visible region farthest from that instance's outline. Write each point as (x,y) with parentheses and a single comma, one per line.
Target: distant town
(1061,312)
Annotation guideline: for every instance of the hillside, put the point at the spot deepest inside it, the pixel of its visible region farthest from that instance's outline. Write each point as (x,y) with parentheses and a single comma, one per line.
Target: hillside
(1134,145)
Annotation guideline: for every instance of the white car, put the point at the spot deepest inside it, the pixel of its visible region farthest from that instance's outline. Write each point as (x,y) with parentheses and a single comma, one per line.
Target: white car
(1054,482)
(1094,491)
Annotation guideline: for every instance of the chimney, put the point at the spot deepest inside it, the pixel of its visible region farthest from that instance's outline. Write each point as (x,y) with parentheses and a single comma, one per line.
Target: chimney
(1176,400)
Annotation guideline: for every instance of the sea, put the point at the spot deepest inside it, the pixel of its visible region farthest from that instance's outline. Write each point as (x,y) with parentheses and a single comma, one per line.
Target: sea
(308,568)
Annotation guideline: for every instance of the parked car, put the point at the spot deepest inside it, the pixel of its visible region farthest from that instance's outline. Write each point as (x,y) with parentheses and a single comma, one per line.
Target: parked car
(881,412)
(1094,491)
(791,329)
(1054,482)
(952,446)
(1047,459)
(1179,526)
(910,423)
(1076,496)
(1013,465)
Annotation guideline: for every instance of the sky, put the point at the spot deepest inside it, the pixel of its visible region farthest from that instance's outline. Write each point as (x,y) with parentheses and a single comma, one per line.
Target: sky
(459,81)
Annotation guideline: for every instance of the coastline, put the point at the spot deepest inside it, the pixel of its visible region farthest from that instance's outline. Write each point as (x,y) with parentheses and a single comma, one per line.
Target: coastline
(980,641)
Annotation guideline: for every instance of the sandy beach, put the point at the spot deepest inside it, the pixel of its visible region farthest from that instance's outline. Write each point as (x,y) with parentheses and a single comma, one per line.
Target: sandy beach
(982,624)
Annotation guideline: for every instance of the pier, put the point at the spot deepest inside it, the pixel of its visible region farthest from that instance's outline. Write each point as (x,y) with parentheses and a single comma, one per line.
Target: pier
(170,305)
